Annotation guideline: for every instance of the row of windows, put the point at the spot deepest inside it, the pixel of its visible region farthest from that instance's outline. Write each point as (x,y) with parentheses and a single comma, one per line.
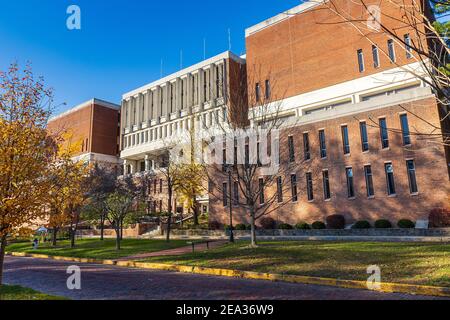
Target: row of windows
(267,91)
(391,53)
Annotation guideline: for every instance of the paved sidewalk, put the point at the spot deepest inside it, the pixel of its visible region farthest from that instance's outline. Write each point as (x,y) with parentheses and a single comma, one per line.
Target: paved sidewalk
(176,252)
(325,238)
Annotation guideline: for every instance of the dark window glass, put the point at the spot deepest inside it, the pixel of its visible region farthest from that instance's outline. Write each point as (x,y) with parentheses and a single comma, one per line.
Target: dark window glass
(160,185)
(236,193)
(247,155)
(294,188)
(309,186)
(225,194)
(142,166)
(326,185)
(350,185)
(364,137)
(384,134)
(408,47)
(361,60)
(261,191)
(224,163)
(291,149)
(411,166)
(258,92)
(345,140)
(267,89)
(369,181)
(280,189)
(323,144)
(376,58)
(390,179)
(405,130)
(391,50)
(306,147)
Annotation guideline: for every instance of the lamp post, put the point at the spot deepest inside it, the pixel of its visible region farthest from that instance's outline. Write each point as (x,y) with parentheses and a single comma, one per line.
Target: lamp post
(230,171)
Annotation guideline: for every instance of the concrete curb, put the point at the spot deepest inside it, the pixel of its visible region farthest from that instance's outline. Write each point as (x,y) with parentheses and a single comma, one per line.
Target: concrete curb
(348,284)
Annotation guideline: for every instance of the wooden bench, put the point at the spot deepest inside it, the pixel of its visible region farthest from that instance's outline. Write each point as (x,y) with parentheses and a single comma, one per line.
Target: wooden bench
(194,243)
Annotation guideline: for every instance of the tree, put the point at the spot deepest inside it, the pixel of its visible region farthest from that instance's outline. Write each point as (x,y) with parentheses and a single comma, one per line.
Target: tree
(25,151)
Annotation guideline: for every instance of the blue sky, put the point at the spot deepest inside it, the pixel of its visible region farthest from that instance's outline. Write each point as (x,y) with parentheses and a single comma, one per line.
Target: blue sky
(121,43)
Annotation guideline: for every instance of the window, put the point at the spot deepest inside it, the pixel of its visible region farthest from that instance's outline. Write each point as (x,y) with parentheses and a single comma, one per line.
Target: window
(309,186)
(364,136)
(257,92)
(350,184)
(155,186)
(267,89)
(323,145)
(361,60)
(160,206)
(384,134)
(224,161)
(225,194)
(291,149)
(306,147)
(280,189)
(142,166)
(326,185)
(247,155)
(261,191)
(408,47)
(390,179)
(376,58)
(236,193)
(345,140)
(391,50)
(160,185)
(411,166)
(369,181)
(405,130)
(294,188)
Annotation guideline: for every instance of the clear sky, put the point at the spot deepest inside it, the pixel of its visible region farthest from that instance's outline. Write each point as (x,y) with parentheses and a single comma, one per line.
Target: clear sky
(121,42)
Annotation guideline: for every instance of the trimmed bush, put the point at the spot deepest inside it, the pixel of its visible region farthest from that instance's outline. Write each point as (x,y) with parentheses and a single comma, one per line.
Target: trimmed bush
(362,225)
(406,224)
(336,221)
(240,227)
(383,224)
(285,226)
(302,226)
(439,218)
(318,225)
(248,227)
(215,225)
(268,223)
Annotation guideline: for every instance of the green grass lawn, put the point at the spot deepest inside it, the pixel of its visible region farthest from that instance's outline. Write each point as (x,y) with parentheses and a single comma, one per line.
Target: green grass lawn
(411,263)
(21,293)
(96,249)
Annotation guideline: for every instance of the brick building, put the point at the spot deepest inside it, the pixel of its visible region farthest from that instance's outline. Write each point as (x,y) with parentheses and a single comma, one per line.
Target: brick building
(94,126)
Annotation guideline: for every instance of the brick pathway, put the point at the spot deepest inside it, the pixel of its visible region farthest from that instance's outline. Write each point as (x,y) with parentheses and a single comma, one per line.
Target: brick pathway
(176,252)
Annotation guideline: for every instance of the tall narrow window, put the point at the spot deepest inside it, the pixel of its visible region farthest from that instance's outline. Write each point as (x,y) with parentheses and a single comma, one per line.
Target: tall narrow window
(361,60)
(384,134)
(261,191)
(280,189)
(376,58)
(267,89)
(258,92)
(155,186)
(364,136)
(326,185)
(236,193)
(411,166)
(345,140)
(294,188)
(309,186)
(291,149)
(225,194)
(391,50)
(160,185)
(323,144)
(390,181)
(369,181)
(405,130)
(408,47)
(350,184)
(306,147)
(224,163)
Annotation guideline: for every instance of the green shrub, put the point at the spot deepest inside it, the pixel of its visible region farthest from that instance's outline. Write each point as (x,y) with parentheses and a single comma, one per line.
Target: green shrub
(318,225)
(406,224)
(268,223)
(285,226)
(383,224)
(302,226)
(241,227)
(336,221)
(362,225)
(248,227)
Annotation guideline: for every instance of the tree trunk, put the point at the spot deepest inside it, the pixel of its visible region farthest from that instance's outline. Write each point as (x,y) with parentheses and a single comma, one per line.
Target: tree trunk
(169,223)
(102,227)
(117,238)
(55,232)
(169,207)
(2,256)
(196,207)
(121,230)
(253,227)
(72,238)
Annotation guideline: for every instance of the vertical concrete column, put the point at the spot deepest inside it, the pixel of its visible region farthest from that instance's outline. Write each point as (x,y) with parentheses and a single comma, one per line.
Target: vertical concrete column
(122,116)
(131,115)
(147,163)
(167,104)
(138,109)
(146,116)
(158,102)
(179,102)
(125,165)
(201,81)
(212,82)
(188,90)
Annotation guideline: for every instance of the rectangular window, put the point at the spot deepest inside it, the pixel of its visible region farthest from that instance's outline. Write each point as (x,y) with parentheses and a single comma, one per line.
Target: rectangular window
(391,50)
(390,181)
(350,184)
(309,186)
(291,149)
(257,92)
(160,185)
(323,144)
(376,58)
(225,194)
(361,60)
(326,185)
(411,166)
(306,147)
(155,186)
(294,188)
(345,140)
(142,167)
(408,47)
(280,189)
(384,134)
(261,191)
(405,130)
(224,163)
(267,89)
(364,136)
(369,181)
(236,193)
